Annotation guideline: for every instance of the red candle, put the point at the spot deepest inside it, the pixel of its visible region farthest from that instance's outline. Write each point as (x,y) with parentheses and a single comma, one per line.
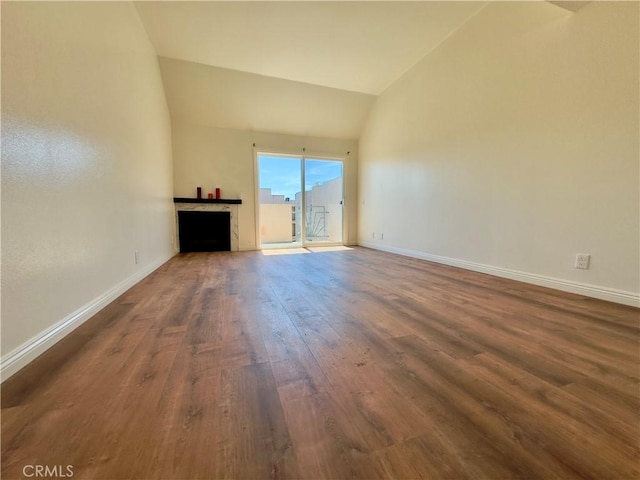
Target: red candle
(199,190)
(210,195)
(217,193)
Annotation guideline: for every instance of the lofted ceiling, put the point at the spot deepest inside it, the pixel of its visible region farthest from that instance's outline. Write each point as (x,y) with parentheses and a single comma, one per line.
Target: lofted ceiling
(311,68)
(355,46)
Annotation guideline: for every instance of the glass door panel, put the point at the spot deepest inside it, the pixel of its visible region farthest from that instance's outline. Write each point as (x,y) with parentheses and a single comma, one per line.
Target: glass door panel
(280,184)
(323,201)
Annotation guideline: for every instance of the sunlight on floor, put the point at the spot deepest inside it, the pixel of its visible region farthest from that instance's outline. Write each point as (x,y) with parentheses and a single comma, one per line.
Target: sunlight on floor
(298,251)
(335,248)
(285,251)
(282,245)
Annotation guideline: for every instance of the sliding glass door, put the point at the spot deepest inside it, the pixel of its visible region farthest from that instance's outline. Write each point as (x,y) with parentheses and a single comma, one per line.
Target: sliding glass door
(290,215)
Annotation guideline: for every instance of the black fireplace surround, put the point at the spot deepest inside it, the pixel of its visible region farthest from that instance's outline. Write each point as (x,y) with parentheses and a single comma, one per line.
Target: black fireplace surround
(204,231)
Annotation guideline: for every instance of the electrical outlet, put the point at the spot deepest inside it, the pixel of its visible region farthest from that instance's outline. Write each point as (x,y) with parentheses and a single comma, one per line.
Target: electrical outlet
(382,236)
(136,256)
(583,260)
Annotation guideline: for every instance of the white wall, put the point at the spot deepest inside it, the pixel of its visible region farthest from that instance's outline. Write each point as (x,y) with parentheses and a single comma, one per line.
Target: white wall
(217,157)
(513,146)
(218,97)
(86,165)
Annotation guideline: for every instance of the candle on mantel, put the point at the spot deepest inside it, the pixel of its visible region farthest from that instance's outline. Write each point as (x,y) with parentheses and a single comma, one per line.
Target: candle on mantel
(210,195)
(217,193)
(199,192)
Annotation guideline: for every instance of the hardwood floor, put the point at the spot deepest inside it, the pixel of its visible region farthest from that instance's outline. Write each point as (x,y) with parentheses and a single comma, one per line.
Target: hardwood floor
(333,365)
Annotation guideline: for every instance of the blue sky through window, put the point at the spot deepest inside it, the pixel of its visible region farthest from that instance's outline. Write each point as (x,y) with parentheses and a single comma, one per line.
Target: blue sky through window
(282,174)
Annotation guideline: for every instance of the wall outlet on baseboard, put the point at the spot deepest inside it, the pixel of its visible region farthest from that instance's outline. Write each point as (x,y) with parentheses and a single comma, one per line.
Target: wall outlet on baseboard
(583,260)
(136,256)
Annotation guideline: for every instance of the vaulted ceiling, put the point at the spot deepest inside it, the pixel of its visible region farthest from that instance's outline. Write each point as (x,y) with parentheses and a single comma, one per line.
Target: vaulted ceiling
(356,46)
(309,68)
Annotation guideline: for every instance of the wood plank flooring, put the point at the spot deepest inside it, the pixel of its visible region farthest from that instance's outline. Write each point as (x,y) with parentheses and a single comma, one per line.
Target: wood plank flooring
(333,365)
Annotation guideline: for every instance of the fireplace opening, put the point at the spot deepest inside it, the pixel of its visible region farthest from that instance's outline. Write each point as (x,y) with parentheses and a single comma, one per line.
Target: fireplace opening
(204,231)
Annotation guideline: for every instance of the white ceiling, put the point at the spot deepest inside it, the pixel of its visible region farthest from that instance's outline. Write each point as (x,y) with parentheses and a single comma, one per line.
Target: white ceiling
(356,46)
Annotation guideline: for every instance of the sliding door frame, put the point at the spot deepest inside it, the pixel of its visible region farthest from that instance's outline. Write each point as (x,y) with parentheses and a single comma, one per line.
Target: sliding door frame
(304,155)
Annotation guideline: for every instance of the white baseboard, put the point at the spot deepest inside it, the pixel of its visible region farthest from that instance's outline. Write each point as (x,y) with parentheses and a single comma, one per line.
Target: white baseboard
(602,293)
(32,348)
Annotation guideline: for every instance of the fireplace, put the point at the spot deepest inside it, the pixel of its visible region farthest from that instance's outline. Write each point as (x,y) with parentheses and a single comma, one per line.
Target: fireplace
(201,231)
(204,205)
